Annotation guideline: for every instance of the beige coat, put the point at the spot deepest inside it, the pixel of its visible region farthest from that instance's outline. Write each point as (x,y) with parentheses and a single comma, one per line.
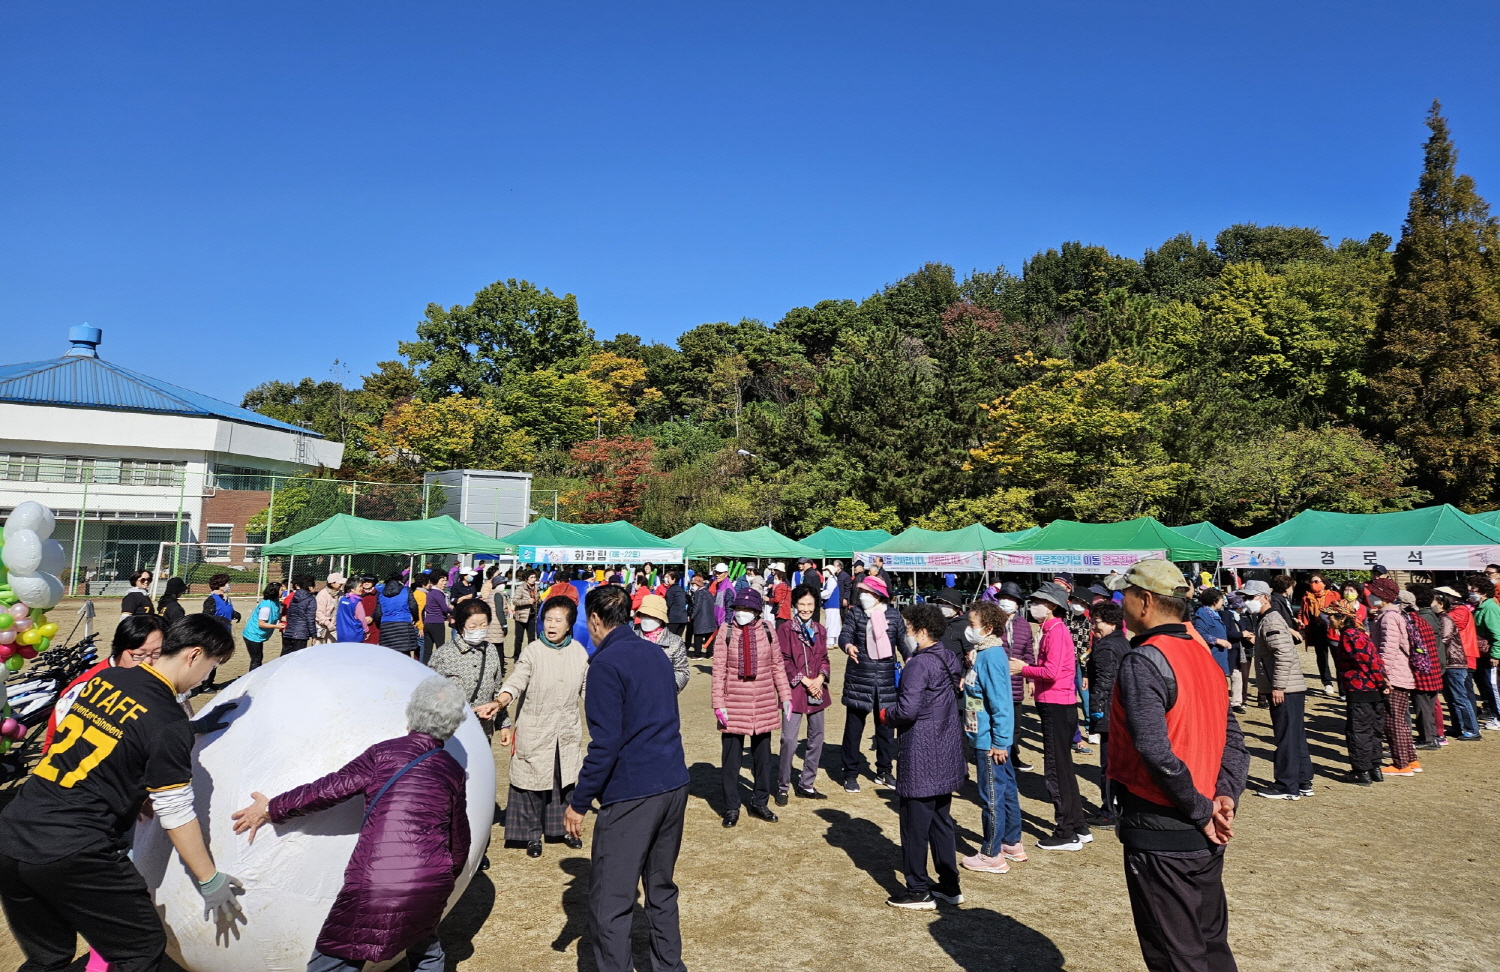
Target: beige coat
(547,687)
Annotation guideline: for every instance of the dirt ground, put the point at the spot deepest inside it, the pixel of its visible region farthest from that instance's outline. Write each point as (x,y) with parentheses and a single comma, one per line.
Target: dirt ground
(1356,878)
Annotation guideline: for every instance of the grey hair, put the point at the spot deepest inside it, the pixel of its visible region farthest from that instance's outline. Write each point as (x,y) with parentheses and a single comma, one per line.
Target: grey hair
(437,707)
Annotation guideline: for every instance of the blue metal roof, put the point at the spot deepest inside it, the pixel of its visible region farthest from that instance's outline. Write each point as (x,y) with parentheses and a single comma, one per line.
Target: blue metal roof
(80,380)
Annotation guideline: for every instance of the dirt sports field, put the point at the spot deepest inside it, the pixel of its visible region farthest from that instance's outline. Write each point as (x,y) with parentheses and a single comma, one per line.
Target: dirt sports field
(1396,876)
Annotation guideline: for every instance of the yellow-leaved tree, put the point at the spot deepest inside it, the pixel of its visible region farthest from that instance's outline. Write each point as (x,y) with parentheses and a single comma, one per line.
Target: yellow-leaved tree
(453,432)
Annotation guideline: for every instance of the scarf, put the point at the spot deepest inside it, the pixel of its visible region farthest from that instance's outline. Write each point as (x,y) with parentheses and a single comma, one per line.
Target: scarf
(749,654)
(557,647)
(879,635)
(653,636)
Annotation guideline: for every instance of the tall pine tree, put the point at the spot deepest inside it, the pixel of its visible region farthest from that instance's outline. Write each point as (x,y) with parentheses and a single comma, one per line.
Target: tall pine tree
(1436,365)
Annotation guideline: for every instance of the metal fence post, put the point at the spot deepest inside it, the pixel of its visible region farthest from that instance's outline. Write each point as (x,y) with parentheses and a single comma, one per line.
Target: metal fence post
(78,536)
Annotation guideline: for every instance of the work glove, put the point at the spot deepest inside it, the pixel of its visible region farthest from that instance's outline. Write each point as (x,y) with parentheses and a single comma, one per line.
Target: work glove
(219,893)
(213,720)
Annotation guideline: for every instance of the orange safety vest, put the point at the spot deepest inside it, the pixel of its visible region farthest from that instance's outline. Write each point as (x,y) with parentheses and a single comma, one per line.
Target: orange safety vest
(1195,722)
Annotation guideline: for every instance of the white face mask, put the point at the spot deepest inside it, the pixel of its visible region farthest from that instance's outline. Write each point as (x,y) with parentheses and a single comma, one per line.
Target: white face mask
(973,635)
(1041,612)
(1008,606)
(1255,606)
(475,636)
(868,601)
(949,611)
(649,624)
(1076,608)
(743,618)
(911,643)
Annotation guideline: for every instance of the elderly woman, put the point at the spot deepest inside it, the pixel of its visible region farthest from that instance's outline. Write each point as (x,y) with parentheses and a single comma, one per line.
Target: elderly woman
(547,685)
(472,661)
(804,655)
(874,639)
(651,623)
(750,694)
(412,844)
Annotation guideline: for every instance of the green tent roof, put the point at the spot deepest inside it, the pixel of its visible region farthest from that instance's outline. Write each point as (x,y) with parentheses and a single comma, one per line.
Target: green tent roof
(1433,538)
(941,550)
(549,541)
(1206,532)
(1097,548)
(1489,518)
(345,534)
(703,542)
(843,544)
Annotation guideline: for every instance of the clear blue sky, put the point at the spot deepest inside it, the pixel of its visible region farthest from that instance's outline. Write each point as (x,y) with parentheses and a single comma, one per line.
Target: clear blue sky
(238,192)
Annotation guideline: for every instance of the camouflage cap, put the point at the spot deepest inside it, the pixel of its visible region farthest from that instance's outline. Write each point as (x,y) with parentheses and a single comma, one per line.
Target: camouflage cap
(1157,576)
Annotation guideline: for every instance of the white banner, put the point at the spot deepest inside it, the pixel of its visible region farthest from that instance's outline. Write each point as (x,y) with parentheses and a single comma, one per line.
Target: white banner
(598,555)
(1080,561)
(936,563)
(1362,558)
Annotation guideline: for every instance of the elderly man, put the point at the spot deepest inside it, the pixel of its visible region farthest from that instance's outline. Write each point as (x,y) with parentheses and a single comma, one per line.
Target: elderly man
(1178,764)
(636,770)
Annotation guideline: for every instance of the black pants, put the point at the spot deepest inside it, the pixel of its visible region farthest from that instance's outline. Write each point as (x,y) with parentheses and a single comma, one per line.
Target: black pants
(1058,723)
(1365,711)
(733,748)
(1424,705)
(1106,785)
(885,744)
(1293,764)
(695,642)
(97,894)
(289,645)
(257,652)
(525,634)
(927,824)
(1181,916)
(1318,640)
(434,633)
(677,628)
(635,844)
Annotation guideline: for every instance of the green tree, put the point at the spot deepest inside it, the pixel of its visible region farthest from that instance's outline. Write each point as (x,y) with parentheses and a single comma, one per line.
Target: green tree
(1005,510)
(855,514)
(1270,246)
(1437,359)
(512,327)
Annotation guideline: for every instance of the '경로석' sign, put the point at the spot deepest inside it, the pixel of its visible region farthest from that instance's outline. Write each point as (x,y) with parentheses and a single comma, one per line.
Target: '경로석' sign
(1362,558)
(1081,561)
(598,555)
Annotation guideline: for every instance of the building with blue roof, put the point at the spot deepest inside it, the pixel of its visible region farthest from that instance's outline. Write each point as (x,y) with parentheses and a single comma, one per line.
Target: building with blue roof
(128,461)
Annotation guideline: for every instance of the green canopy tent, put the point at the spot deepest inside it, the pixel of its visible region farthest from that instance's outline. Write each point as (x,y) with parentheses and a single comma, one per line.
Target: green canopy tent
(703,542)
(1206,532)
(550,542)
(1489,518)
(1434,538)
(1098,548)
(940,551)
(345,534)
(843,544)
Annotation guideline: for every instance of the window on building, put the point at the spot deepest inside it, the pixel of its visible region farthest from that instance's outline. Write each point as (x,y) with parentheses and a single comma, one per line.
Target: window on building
(15,467)
(241,477)
(218,533)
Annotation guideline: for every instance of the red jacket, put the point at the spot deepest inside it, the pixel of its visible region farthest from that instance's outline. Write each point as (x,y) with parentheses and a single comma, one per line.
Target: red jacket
(804,661)
(410,850)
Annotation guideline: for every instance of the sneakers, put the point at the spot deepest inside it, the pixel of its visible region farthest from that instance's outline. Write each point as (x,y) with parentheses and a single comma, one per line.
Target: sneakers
(1468,737)
(1239,708)
(951,896)
(1028,767)
(886,780)
(1442,740)
(1061,842)
(1415,766)
(1085,836)
(1331,690)
(1277,795)
(1491,724)
(1397,771)
(1094,738)
(1082,750)
(1429,745)
(1013,852)
(812,794)
(913,900)
(985,865)
(1306,791)
(851,785)
(781,798)
(1102,818)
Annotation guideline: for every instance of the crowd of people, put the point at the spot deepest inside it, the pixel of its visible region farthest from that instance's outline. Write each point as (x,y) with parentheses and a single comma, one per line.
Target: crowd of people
(1149,666)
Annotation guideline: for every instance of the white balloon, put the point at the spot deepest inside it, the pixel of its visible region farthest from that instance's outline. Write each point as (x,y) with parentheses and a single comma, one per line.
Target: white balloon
(292,728)
(39,591)
(30,515)
(22,552)
(54,557)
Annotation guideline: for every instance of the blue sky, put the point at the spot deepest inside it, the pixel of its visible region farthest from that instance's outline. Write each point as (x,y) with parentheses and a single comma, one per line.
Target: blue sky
(239,192)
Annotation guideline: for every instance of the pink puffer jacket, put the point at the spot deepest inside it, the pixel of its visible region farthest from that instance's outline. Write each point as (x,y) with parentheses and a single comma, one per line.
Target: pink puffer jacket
(753,705)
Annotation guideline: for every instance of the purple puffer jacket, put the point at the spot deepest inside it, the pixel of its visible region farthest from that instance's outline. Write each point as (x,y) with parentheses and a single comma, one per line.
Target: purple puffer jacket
(1018,644)
(931,755)
(410,851)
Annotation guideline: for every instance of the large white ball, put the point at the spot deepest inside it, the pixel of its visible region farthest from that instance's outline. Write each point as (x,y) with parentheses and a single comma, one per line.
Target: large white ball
(30,515)
(300,717)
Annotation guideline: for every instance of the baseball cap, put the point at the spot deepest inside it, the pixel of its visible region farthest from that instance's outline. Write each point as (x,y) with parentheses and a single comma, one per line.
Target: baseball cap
(1255,588)
(336,578)
(721,568)
(1157,576)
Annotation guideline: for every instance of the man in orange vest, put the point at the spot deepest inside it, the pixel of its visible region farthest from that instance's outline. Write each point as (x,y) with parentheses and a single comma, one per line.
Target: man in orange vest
(1178,763)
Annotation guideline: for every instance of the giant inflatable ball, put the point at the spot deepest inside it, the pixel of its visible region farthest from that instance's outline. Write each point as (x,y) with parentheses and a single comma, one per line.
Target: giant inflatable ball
(300,717)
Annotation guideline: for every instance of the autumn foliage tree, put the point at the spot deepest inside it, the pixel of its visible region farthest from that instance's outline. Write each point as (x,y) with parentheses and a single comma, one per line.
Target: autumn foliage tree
(618,472)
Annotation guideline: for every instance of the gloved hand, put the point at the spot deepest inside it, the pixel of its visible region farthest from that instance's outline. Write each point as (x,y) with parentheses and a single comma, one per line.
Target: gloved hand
(218,897)
(723,718)
(213,720)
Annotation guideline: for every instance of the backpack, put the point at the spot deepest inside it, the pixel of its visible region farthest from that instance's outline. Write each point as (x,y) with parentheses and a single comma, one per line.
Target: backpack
(1424,660)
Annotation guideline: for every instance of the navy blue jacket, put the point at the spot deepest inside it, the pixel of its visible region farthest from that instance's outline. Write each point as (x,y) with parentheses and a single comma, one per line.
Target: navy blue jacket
(677,604)
(635,737)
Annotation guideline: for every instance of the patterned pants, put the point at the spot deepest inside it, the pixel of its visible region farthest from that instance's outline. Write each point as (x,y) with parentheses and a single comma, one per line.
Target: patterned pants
(1398,726)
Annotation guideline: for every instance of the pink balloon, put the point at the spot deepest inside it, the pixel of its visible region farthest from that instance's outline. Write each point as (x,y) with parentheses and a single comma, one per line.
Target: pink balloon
(19,610)
(7,636)
(6,651)
(22,624)
(9,727)
(27,652)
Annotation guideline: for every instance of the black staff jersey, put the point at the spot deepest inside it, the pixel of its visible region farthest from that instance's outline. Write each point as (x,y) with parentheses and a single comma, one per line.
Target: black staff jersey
(125,736)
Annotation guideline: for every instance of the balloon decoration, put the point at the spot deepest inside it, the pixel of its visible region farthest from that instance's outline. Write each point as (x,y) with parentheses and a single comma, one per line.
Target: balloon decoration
(29,587)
